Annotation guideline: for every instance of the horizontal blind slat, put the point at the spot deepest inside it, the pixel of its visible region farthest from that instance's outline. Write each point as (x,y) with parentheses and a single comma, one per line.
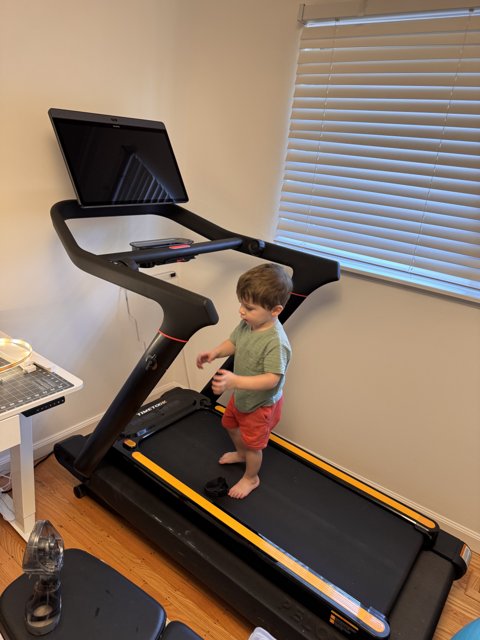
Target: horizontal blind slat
(452,27)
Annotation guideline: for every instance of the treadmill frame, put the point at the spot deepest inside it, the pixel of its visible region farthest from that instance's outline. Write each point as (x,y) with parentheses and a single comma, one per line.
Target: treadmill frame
(133,496)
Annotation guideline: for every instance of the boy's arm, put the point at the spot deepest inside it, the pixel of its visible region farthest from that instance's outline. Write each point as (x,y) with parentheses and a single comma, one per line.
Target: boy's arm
(277,360)
(224,379)
(226,348)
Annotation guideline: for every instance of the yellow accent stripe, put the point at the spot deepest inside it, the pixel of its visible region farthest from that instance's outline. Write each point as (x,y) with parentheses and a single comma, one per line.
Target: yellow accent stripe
(357,611)
(365,488)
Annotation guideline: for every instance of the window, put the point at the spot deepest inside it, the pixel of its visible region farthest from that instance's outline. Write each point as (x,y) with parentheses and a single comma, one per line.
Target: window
(383,163)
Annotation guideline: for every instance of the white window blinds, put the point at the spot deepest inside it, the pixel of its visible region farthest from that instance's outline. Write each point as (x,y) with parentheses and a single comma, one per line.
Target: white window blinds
(383,163)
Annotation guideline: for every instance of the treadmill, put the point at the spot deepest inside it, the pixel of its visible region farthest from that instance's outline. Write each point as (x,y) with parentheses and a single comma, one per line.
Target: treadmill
(313,552)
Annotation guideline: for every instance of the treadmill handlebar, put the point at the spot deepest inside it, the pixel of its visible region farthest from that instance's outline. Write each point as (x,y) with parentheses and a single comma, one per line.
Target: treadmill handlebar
(309,272)
(172,254)
(185,312)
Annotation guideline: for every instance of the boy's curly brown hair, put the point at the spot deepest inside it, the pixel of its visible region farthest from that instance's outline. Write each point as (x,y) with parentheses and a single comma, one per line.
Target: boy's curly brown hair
(267,284)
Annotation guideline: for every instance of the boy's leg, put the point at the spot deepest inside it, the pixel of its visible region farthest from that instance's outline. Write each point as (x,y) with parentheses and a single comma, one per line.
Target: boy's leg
(230,422)
(249,443)
(234,456)
(250,480)
(253,461)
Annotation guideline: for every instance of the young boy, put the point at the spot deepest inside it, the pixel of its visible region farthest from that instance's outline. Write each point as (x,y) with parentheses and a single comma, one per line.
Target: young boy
(262,353)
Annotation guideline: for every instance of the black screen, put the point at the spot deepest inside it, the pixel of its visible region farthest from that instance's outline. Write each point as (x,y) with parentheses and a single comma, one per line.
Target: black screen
(117,161)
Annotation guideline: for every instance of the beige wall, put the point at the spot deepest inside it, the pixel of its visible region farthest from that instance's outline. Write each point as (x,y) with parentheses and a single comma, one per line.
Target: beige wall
(107,57)
(384,380)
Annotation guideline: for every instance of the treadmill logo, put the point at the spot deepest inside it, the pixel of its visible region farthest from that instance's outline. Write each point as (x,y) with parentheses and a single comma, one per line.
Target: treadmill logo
(151,408)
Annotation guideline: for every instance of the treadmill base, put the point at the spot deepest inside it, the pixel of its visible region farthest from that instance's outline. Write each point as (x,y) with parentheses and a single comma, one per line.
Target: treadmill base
(263,602)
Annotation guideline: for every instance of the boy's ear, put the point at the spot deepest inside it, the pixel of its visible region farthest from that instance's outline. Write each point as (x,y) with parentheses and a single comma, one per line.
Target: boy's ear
(277,310)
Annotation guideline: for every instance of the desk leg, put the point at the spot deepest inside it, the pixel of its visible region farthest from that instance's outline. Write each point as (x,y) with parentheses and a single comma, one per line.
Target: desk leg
(23,481)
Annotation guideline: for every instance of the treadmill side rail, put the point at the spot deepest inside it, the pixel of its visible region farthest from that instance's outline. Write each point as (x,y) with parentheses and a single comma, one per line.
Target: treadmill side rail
(426,525)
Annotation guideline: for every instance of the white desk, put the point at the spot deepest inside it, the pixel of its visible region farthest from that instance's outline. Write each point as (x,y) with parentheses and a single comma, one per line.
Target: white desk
(16,435)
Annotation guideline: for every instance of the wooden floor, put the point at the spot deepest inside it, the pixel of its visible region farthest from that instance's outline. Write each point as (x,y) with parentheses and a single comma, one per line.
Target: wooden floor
(85,525)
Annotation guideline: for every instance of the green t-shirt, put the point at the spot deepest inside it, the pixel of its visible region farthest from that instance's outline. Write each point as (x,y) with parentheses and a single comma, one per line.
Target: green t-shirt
(258,352)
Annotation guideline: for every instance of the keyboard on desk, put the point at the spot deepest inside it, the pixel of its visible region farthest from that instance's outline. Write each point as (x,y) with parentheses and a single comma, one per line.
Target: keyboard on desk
(18,389)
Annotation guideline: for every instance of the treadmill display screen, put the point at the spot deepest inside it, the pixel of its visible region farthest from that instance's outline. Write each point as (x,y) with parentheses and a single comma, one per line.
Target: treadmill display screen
(117,161)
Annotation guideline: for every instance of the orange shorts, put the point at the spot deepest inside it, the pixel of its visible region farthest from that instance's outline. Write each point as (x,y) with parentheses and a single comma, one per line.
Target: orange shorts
(255,427)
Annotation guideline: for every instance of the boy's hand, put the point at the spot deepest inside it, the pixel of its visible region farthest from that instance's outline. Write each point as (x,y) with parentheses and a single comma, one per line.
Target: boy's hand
(223,380)
(205,356)
(227,348)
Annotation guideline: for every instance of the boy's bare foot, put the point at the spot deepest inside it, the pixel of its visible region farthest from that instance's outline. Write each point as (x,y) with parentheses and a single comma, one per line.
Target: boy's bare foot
(243,487)
(231,458)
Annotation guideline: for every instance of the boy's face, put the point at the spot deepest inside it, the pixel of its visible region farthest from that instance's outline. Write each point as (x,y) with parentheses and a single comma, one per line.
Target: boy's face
(256,316)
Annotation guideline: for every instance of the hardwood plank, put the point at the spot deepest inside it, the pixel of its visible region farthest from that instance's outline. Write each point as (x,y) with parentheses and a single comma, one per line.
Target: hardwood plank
(84,524)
